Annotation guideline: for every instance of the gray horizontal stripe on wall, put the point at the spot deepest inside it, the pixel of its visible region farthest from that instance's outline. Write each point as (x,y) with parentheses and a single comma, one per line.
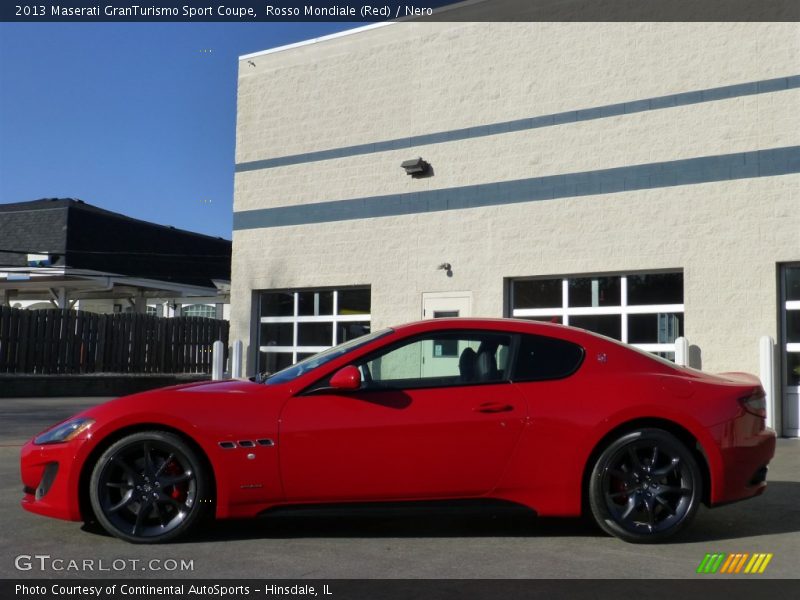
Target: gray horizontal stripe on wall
(706,169)
(586,114)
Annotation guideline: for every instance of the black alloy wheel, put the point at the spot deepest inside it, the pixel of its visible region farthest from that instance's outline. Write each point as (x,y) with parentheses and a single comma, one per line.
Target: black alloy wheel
(149,487)
(645,486)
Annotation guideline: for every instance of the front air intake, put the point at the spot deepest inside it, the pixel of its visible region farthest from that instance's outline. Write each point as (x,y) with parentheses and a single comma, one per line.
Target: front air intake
(48,477)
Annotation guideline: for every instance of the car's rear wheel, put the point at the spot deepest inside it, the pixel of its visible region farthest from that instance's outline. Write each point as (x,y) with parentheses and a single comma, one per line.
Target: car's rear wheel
(149,487)
(645,486)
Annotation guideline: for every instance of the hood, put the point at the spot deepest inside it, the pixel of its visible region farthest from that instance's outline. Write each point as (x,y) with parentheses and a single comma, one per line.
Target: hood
(226,386)
(181,398)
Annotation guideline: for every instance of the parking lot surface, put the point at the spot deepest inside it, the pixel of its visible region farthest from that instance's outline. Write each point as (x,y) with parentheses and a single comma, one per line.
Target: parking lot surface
(456,544)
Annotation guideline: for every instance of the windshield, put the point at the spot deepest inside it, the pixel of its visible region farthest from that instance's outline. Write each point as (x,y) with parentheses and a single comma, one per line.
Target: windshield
(312,362)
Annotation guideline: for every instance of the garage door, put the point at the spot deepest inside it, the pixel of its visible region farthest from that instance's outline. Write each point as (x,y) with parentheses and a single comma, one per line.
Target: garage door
(790,348)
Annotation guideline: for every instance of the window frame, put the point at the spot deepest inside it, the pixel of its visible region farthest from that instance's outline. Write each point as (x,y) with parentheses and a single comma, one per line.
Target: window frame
(567,375)
(788,349)
(207,308)
(623,310)
(296,319)
(322,385)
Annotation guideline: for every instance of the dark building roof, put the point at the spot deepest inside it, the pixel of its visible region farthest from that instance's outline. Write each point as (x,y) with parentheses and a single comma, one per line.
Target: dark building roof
(81,236)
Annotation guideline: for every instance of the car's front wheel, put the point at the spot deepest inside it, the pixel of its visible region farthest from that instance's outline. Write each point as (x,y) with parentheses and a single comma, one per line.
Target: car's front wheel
(645,486)
(149,487)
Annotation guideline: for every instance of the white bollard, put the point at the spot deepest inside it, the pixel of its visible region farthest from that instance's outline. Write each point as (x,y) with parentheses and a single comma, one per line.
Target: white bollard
(681,351)
(236,360)
(217,360)
(766,352)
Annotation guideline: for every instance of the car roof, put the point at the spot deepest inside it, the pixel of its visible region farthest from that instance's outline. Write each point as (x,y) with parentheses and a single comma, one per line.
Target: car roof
(496,324)
(587,339)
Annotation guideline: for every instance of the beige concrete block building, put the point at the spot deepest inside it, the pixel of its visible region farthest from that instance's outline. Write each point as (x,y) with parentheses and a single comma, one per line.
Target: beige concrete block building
(641,180)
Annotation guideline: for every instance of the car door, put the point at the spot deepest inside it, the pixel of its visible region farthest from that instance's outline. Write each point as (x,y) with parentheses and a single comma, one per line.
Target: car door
(561,409)
(424,424)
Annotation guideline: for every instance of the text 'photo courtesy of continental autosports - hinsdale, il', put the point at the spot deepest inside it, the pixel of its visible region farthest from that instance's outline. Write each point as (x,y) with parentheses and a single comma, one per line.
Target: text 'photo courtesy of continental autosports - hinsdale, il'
(553,418)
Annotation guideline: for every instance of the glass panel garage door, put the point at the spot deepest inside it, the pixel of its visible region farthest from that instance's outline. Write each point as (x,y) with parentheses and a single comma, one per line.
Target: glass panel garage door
(642,309)
(790,345)
(294,324)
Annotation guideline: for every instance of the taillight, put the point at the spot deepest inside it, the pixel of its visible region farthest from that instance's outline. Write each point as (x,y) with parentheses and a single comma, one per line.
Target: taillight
(755,404)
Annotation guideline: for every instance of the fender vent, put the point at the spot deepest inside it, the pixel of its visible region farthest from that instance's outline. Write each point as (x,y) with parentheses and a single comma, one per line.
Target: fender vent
(48,477)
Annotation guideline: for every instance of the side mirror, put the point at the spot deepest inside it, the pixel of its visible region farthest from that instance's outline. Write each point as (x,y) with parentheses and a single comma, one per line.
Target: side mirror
(346,379)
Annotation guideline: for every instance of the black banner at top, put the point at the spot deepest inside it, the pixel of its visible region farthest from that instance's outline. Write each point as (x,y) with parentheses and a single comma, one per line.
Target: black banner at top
(388,10)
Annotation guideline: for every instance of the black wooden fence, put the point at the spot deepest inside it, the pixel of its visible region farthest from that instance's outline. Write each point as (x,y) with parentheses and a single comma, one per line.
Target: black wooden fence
(58,341)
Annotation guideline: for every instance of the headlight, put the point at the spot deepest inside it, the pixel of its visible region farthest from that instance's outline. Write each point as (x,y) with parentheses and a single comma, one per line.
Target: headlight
(63,432)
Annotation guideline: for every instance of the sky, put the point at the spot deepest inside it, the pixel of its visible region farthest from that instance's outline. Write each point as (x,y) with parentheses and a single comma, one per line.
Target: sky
(137,118)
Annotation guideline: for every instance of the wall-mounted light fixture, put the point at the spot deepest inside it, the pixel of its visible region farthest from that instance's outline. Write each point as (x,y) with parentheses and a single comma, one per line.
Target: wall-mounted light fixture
(447,268)
(416,167)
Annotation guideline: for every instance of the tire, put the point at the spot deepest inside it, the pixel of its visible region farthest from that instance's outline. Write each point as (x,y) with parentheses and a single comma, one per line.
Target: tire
(645,486)
(149,487)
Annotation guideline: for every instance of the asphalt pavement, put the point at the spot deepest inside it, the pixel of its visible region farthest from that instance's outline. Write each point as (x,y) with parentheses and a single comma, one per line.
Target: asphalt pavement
(458,544)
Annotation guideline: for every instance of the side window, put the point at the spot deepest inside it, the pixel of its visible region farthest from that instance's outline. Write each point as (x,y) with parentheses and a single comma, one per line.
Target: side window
(440,359)
(541,357)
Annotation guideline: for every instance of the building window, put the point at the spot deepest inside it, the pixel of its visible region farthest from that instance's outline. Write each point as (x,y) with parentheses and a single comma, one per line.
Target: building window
(208,311)
(152,310)
(792,325)
(295,324)
(641,309)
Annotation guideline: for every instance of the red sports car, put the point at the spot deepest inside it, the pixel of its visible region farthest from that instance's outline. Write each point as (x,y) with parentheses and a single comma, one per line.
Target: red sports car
(554,418)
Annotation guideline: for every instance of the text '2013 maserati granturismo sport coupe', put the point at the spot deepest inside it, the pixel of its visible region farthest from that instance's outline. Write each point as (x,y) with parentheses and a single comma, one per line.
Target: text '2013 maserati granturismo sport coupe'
(556,419)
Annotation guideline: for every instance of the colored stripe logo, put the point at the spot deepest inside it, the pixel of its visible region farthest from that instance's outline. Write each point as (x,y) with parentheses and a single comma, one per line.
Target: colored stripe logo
(736,563)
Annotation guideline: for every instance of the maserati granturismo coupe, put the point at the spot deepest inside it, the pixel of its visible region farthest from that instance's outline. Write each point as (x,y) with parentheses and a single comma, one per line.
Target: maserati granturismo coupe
(553,418)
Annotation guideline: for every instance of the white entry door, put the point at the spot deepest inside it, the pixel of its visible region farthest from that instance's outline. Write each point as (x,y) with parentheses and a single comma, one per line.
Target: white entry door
(437,305)
(441,355)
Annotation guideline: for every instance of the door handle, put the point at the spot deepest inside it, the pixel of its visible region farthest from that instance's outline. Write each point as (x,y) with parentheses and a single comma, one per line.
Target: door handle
(493,407)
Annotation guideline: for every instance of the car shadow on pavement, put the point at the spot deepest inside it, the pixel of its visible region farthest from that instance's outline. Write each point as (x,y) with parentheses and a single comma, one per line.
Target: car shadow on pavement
(399,526)
(433,520)
(776,512)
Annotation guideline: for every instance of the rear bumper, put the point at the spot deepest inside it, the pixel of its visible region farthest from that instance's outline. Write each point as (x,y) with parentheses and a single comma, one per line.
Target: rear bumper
(744,467)
(50,479)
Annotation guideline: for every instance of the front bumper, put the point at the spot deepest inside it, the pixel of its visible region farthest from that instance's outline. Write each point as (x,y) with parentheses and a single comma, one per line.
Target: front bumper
(50,476)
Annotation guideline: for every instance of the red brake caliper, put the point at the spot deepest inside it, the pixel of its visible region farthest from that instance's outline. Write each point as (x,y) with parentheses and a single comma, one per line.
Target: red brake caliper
(179,489)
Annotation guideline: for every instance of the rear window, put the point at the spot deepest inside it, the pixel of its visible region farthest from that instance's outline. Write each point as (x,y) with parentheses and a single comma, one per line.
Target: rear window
(541,358)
